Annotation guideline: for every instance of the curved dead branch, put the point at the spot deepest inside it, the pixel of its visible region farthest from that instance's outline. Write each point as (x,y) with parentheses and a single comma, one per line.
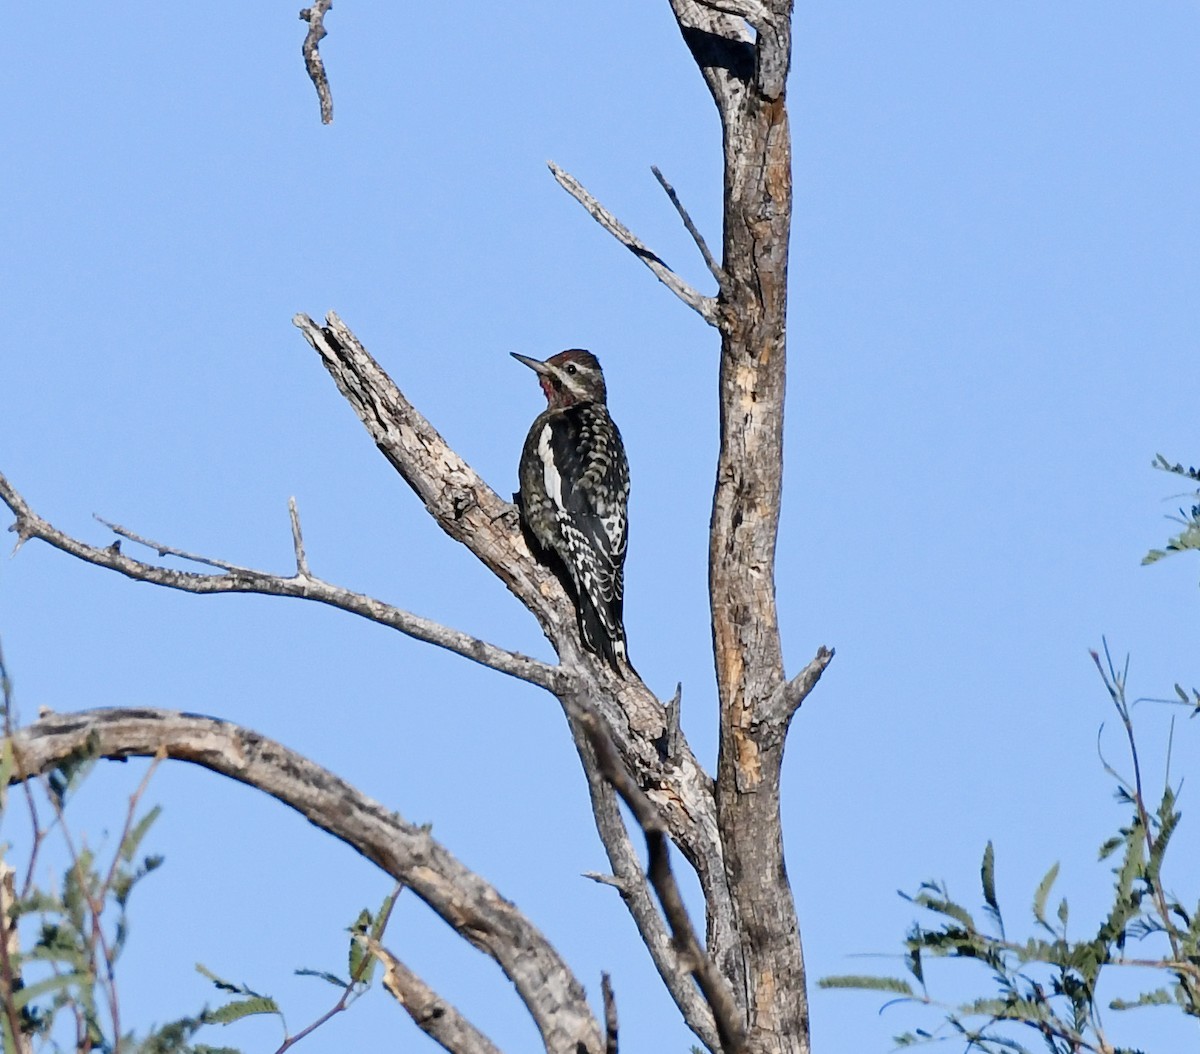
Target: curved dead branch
(406,851)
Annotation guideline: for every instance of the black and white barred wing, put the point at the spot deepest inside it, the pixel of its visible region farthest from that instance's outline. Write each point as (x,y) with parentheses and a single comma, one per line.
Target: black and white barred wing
(587,481)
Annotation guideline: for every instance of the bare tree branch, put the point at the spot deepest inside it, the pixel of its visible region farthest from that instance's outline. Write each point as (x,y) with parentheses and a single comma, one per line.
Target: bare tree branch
(298,540)
(781,707)
(315,17)
(440,1020)
(630,880)
(468,510)
(408,852)
(715,988)
(705,306)
(670,740)
(610,1015)
(712,265)
(461,503)
(237,579)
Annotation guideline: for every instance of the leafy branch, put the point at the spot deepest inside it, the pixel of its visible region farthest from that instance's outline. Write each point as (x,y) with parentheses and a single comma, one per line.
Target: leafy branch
(1047,984)
(367,927)
(1189,537)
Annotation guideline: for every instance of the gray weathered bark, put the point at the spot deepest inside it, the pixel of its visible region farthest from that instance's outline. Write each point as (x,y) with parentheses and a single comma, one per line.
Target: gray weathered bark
(744,989)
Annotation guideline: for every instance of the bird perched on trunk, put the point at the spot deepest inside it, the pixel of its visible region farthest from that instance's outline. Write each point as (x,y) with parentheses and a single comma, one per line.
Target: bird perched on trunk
(575,491)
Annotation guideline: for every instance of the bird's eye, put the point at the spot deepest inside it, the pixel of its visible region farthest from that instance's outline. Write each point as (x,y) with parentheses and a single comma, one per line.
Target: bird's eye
(571,368)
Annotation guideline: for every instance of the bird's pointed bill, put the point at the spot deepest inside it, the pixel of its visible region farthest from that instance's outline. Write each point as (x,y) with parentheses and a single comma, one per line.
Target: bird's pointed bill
(534,364)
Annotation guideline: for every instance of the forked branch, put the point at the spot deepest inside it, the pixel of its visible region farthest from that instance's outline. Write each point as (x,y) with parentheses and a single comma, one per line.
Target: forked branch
(705,306)
(237,579)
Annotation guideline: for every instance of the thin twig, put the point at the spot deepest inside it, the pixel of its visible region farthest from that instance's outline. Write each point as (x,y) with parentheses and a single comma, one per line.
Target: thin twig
(1115,683)
(619,884)
(162,549)
(610,1014)
(713,986)
(705,306)
(96,910)
(713,267)
(38,833)
(315,17)
(134,800)
(298,540)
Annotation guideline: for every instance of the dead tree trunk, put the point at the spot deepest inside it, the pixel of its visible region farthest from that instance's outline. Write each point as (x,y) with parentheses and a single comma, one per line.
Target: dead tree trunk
(743,987)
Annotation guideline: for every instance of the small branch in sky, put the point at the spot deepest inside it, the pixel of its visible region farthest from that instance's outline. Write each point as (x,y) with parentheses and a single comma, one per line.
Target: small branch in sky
(713,267)
(298,540)
(237,579)
(610,1014)
(670,739)
(169,550)
(712,984)
(704,306)
(315,17)
(780,708)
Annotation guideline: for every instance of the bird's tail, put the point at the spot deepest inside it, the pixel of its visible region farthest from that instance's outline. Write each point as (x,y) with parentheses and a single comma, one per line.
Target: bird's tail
(603,634)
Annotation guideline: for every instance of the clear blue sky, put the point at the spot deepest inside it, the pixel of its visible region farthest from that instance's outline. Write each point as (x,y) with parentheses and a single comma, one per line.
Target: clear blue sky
(994,288)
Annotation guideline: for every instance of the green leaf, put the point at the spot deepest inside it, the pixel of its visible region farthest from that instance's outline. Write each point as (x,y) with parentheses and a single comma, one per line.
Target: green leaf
(1159,997)
(130,843)
(914,963)
(943,905)
(324,975)
(1111,845)
(49,984)
(228,986)
(384,913)
(864,982)
(360,926)
(987,875)
(1042,892)
(240,1008)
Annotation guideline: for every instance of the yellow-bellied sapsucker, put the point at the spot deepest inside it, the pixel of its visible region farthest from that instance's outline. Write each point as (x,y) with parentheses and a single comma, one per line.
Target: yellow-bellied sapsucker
(575,492)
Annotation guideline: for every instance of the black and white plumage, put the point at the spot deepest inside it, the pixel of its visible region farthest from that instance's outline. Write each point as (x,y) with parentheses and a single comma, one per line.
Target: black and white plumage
(575,494)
